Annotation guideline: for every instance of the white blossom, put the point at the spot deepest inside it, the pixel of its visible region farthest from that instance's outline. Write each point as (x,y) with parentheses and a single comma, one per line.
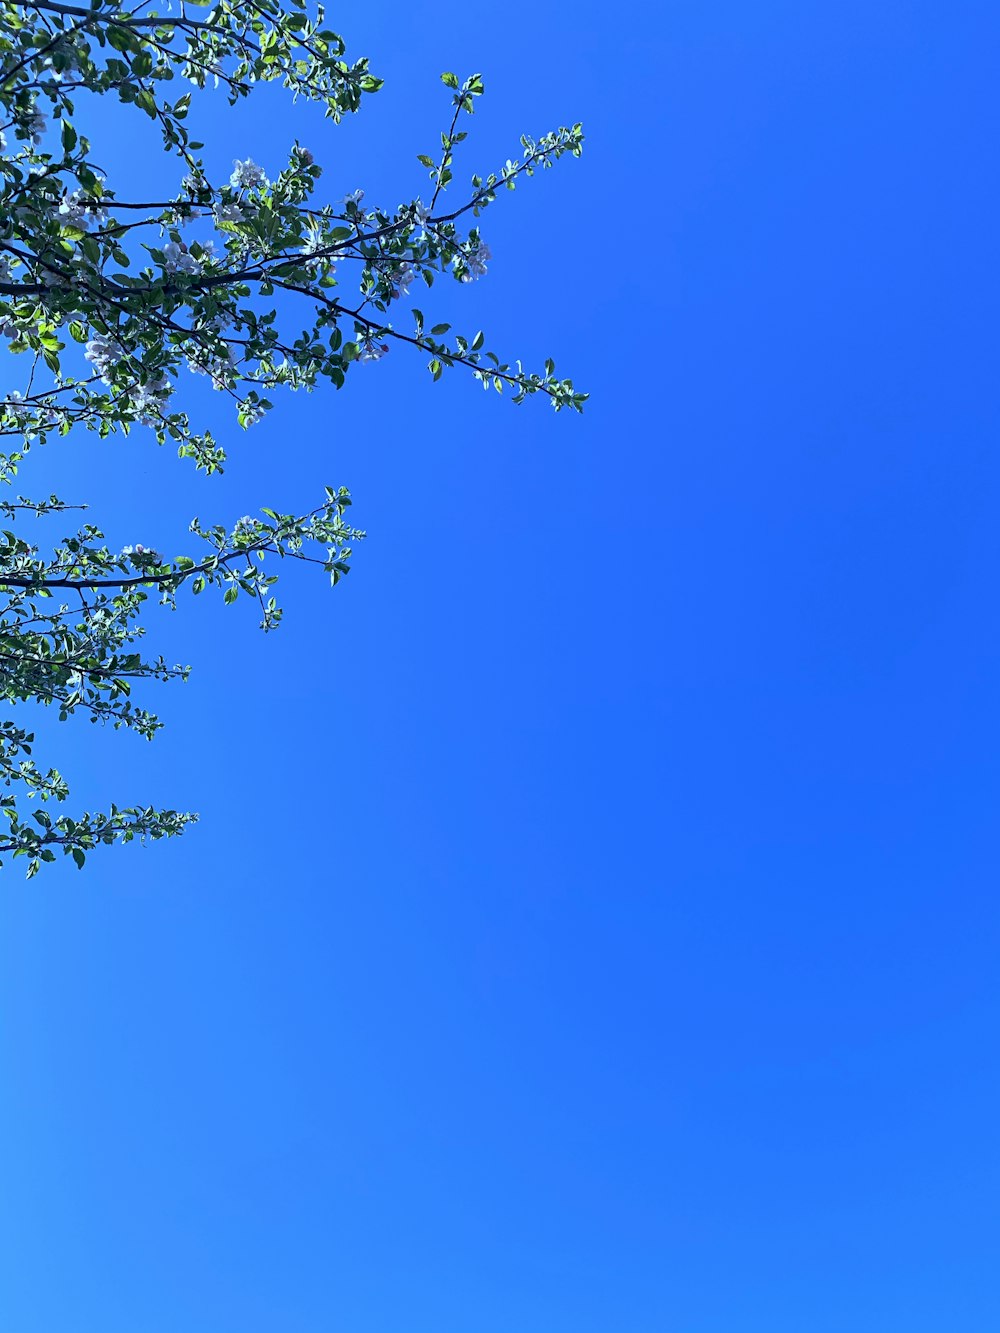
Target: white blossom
(29,418)
(71,211)
(228,213)
(314,243)
(223,368)
(247,175)
(140,554)
(219,366)
(475,263)
(75,211)
(402,279)
(177,259)
(102,355)
(369,349)
(147,400)
(313,240)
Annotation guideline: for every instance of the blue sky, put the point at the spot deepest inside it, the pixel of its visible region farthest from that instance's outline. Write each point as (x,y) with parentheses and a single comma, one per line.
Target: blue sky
(592,923)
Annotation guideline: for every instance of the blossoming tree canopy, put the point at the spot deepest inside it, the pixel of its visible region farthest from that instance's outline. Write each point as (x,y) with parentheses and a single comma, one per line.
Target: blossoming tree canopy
(112,302)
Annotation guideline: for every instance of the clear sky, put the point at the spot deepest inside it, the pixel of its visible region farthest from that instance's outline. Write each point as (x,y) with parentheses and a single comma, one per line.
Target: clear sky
(593,923)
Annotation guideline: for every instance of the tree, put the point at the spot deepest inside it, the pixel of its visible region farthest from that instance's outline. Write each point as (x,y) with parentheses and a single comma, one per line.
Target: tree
(111,308)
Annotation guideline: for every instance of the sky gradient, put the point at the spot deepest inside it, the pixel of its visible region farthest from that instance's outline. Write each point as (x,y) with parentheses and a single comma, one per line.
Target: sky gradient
(593,922)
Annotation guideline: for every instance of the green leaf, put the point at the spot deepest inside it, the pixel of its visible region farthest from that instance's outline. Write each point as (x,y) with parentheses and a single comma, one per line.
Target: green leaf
(449,80)
(122,39)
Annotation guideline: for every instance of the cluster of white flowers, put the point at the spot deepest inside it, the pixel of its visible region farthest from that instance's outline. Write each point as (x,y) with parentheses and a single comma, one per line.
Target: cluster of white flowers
(102,354)
(178,259)
(222,369)
(221,320)
(3,142)
(30,419)
(313,242)
(148,400)
(241,524)
(369,349)
(73,211)
(421,213)
(402,279)
(475,262)
(252,413)
(141,555)
(228,213)
(5,268)
(247,175)
(180,216)
(220,366)
(355,198)
(193,184)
